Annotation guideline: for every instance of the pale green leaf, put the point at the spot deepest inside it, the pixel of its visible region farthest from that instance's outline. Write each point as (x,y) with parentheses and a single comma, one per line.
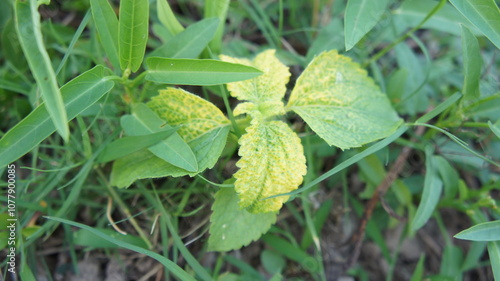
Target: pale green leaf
(272,162)
(127,145)
(487,231)
(341,103)
(78,95)
(106,23)
(360,17)
(472,64)
(494,253)
(144,164)
(197,72)
(167,17)
(189,43)
(431,193)
(174,149)
(232,227)
(195,115)
(484,14)
(133,33)
(30,37)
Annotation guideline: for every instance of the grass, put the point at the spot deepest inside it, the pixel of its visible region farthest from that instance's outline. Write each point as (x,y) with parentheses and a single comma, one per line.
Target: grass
(358,212)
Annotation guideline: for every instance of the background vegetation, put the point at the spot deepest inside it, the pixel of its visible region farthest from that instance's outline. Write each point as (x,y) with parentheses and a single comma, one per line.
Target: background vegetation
(364,215)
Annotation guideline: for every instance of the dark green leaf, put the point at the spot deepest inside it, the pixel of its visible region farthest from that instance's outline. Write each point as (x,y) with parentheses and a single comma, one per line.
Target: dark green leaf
(472,64)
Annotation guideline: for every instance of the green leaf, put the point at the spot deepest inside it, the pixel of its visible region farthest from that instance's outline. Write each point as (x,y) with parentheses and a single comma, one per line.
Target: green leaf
(341,103)
(197,72)
(448,175)
(418,273)
(174,149)
(495,128)
(144,164)
(264,93)
(494,253)
(127,145)
(106,24)
(189,43)
(472,64)
(430,194)
(170,265)
(272,162)
(218,9)
(232,227)
(30,37)
(292,252)
(167,17)
(194,115)
(78,94)
(447,19)
(360,17)
(10,46)
(484,14)
(488,231)
(133,33)
(87,238)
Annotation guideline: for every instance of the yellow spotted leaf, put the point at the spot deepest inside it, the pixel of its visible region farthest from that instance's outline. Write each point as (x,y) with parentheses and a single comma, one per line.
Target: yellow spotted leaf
(338,100)
(265,92)
(194,115)
(272,162)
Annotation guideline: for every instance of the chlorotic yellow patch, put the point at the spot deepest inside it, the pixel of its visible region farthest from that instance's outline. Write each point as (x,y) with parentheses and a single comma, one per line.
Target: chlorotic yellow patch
(263,92)
(195,115)
(272,162)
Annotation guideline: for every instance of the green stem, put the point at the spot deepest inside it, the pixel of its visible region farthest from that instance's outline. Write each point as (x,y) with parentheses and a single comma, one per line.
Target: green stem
(406,35)
(230,112)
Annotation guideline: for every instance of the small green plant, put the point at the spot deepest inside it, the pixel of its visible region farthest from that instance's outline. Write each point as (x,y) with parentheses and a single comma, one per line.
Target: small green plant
(139,97)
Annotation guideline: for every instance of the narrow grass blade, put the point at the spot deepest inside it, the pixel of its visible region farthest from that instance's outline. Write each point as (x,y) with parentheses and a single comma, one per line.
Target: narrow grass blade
(170,265)
(484,14)
(472,64)
(30,37)
(106,24)
(167,17)
(494,253)
(440,108)
(128,145)
(15,87)
(173,150)
(197,72)
(78,94)
(360,17)
(431,193)
(190,259)
(418,273)
(189,43)
(217,9)
(133,33)
(488,231)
